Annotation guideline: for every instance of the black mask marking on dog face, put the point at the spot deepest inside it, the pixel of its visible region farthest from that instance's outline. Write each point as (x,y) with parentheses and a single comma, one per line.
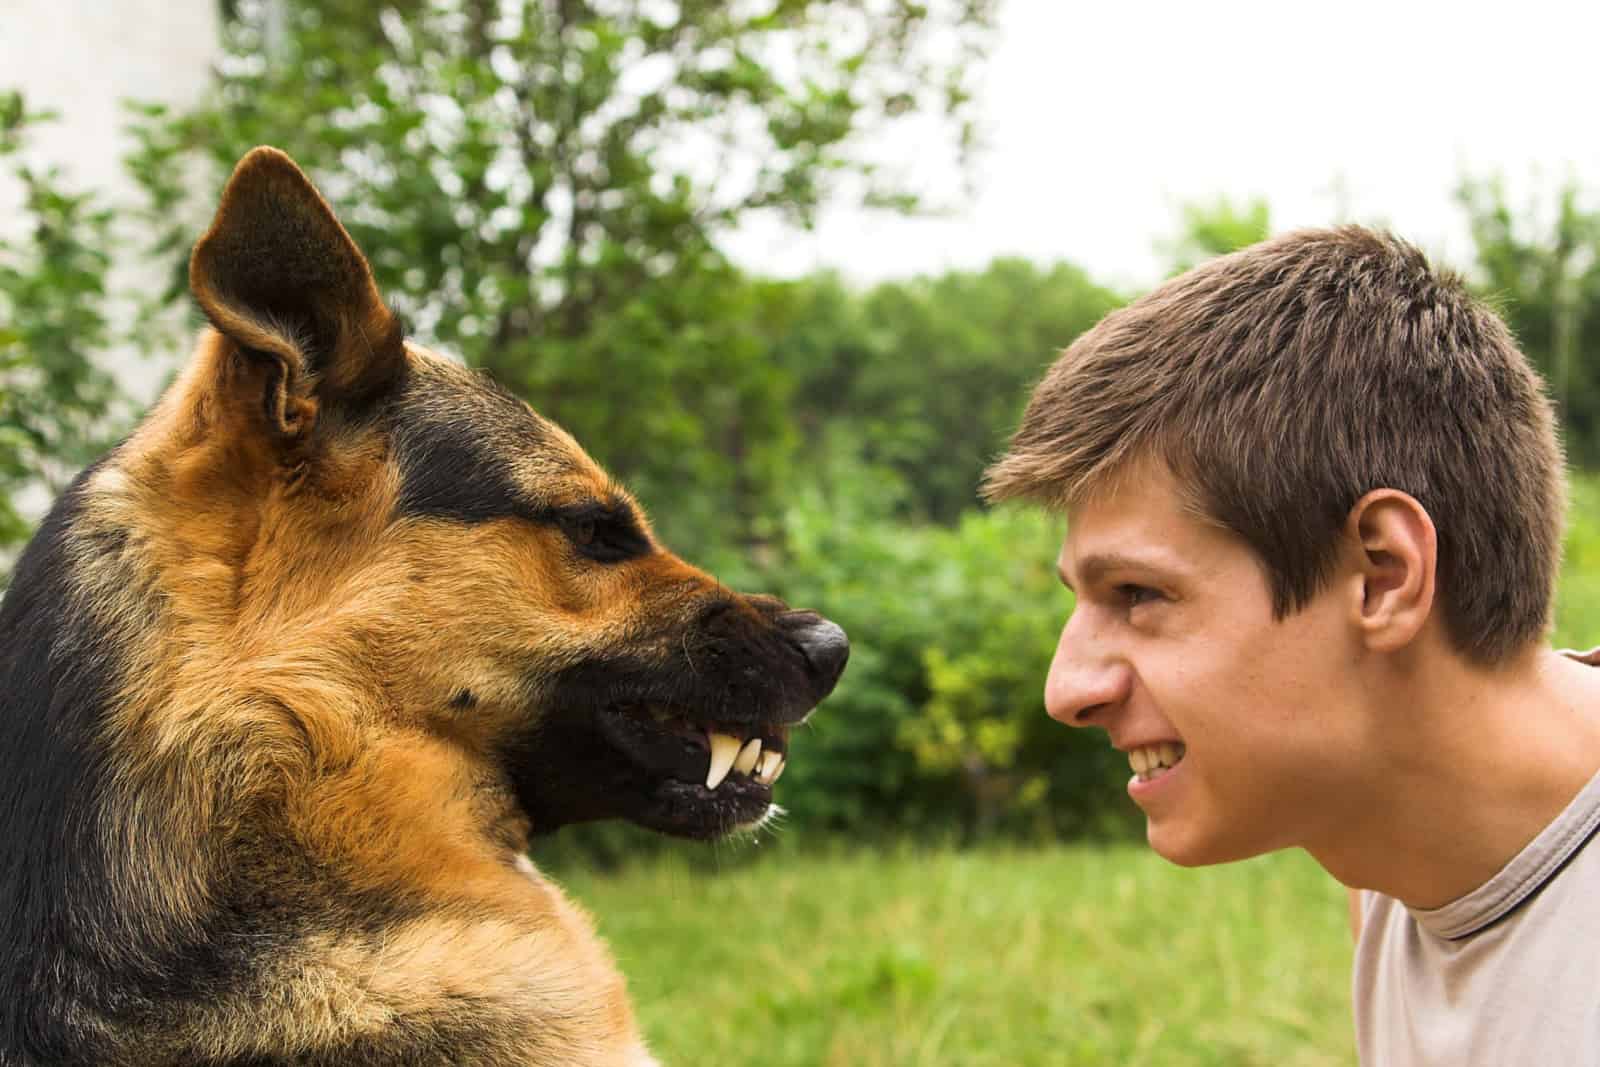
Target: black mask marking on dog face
(449,470)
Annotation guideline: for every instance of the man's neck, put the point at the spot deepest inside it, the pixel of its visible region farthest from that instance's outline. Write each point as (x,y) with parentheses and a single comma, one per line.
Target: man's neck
(1468,766)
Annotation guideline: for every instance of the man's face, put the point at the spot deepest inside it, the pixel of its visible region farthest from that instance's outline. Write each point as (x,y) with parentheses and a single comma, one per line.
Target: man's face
(1173,650)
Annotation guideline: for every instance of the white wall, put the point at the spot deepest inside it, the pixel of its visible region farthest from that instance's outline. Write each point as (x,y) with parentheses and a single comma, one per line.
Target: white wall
(81,58)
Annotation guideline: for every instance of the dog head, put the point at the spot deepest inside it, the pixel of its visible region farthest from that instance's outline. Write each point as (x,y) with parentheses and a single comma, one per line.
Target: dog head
(380,522)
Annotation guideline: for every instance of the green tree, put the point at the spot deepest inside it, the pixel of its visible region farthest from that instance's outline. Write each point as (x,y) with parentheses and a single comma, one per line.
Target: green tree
(928,377)
(960,353)
(1215,228)
(543,186)
(54,398)
(1540,266)
(939,721)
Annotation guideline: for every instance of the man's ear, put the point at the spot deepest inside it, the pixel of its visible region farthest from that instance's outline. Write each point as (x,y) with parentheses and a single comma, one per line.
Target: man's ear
(1398,557)
(279,277)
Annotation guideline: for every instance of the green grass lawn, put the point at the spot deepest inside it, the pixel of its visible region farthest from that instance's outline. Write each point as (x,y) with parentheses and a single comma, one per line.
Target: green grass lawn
(1067,955)
(1578,591)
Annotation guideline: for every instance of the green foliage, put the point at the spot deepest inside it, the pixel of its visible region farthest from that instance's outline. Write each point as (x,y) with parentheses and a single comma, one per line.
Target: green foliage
(54,395)
(939,718)
(930,375)
(1541,266)
(1215,229)
(542,188)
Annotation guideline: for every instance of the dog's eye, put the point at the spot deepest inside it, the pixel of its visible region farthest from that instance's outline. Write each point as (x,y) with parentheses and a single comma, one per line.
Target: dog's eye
(605,538)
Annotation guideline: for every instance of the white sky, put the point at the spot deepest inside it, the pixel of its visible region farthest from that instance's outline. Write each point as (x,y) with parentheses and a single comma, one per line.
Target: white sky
(1102,118)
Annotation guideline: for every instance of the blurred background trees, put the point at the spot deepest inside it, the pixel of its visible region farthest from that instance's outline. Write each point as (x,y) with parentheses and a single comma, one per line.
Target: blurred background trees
(545,189)
(1540,265)
(54,329)
(542,187)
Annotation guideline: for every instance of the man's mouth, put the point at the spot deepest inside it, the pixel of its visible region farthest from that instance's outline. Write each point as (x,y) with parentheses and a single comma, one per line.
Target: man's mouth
(1150,762)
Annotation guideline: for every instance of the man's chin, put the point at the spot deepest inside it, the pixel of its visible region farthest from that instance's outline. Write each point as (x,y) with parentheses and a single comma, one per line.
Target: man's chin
(1184,846)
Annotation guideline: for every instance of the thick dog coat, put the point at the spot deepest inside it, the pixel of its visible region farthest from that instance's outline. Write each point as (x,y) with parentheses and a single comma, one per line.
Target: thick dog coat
(288,678)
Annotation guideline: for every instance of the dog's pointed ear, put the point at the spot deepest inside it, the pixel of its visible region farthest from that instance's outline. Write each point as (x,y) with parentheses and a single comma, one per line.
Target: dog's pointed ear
(278,276)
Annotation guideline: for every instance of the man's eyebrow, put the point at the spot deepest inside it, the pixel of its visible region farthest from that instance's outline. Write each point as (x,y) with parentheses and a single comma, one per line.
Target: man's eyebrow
(1095,566)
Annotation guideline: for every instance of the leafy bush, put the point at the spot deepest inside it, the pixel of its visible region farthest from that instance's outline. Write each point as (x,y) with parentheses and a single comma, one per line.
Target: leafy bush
(932,373)
(545,191)
(939,717)
(54,332)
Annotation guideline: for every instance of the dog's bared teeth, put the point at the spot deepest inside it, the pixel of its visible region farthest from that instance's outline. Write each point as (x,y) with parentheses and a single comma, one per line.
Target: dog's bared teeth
(724,750)
(770,767)
(748,756)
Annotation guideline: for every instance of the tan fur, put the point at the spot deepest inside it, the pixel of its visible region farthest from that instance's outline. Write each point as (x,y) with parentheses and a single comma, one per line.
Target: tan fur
(359,620)
(268,681)
(237,696)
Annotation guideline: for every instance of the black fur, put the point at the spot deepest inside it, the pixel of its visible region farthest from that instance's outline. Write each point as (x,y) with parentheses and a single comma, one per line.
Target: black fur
(449,470)
(56,675)
(78,948)
(595,755)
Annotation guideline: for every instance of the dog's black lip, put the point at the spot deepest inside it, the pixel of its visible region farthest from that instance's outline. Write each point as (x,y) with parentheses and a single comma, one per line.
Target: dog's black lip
(738,801)
(677,749)
(735,789)
(773,731)
(732,786)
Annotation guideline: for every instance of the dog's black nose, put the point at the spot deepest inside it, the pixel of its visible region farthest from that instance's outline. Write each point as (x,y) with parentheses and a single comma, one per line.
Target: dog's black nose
(824,643)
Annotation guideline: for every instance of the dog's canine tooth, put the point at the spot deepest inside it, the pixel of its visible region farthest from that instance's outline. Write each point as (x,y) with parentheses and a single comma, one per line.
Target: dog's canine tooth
(767,770)
(724,750)
(748,756)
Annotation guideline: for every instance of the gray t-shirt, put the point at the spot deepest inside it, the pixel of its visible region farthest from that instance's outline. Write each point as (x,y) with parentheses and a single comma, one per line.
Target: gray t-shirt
(1507,975)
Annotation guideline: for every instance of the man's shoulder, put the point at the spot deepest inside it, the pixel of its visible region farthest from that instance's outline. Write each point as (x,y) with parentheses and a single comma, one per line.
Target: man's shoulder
(1517,988)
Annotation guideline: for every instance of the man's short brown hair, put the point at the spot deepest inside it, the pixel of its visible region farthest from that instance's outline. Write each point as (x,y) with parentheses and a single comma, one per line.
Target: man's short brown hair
(1282,383)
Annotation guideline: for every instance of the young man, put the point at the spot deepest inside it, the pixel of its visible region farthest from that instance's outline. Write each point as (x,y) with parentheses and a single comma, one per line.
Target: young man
(1314,501)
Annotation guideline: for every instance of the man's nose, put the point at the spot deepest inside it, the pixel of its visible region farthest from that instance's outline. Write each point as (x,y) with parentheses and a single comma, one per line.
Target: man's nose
(1084,678)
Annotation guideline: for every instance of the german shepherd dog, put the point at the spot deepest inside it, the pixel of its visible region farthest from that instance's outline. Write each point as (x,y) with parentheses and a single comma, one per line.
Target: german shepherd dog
(288,678)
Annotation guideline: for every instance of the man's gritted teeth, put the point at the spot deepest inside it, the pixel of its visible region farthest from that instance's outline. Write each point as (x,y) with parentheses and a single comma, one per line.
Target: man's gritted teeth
(1151,761)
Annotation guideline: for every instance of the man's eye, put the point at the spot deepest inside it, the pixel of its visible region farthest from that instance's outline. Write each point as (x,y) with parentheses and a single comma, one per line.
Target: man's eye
(1134,595)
